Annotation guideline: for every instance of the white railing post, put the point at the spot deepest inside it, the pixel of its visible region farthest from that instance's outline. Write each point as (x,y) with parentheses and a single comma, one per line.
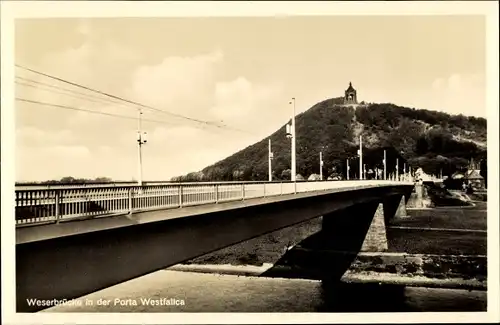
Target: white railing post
(216,186)
(264,190)
(129,194)
(242,191)
(281,188)
(57,202)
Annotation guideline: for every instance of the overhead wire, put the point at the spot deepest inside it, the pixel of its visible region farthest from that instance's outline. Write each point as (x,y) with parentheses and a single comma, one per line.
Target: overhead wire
(62,93)
(39,83)
(90,111)
(130,101)
(84,98)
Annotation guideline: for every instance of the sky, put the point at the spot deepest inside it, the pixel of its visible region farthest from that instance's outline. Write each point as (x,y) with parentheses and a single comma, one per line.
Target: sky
(239,72)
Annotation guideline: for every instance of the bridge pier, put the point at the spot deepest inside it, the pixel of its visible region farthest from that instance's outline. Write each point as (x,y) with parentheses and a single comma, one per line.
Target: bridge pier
(346,230)
(416,199)
(362,227)
(395,207)
(376,237)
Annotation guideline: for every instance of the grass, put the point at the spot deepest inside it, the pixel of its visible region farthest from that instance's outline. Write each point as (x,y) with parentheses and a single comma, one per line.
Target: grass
(436,242)
(454,218)
(441,242)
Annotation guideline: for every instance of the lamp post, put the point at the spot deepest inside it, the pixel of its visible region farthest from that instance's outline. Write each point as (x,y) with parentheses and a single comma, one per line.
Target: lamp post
(360,157)
(348,168)
(270,157)
(141,139)
(397,169)
(385,165)
(294,172)
(321,165)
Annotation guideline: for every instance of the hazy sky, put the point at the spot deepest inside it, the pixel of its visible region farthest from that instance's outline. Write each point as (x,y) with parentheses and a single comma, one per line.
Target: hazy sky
(241,71)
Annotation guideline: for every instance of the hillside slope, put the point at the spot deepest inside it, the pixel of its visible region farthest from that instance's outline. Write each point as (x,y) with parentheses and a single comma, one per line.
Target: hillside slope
(432,140)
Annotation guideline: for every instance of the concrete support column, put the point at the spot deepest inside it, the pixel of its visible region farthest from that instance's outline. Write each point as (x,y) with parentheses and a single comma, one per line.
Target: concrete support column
(376,237)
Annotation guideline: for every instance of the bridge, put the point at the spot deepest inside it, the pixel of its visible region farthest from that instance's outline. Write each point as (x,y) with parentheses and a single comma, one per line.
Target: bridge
(74,241)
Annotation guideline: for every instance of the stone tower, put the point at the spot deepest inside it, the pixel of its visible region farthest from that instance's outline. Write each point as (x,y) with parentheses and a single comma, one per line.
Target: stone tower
(350,96)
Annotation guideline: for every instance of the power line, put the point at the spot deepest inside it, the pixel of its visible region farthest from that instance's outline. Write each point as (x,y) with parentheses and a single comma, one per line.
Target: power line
(59,92)
(99,101)
(90,111)
(119,98)
(102,99)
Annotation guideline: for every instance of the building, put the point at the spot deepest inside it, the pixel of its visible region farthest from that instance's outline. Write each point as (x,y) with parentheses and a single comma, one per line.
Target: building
(474,177)
(350,97)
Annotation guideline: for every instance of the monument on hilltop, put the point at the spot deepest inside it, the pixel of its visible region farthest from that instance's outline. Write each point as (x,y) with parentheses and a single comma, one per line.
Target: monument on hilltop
(350,97)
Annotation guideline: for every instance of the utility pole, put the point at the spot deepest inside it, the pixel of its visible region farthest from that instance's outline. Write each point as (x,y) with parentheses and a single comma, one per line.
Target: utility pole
(321,165)
(360,157)
(385,166)
(270,156)
(141,139)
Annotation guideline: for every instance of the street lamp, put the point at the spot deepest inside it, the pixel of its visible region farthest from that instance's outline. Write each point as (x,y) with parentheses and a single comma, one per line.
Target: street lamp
(291,134)
(271,156)
(321,165)
(397,169)
(348,168)
(360,153)
(141,139)
(385,165)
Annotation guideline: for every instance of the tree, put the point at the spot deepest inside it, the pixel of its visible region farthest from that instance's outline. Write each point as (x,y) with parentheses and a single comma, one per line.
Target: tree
(330,128)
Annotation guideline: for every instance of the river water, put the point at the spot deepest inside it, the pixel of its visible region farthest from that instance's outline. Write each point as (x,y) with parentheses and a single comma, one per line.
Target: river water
(174,291)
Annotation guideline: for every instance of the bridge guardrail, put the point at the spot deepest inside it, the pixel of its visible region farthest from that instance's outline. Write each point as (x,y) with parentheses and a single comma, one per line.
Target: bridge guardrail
(38,206)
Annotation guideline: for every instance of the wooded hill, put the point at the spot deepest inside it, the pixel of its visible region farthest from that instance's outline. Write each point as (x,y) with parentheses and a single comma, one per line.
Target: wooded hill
(431,140)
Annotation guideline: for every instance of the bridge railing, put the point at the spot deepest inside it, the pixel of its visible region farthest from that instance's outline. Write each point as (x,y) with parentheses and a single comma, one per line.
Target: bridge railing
(38,206)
